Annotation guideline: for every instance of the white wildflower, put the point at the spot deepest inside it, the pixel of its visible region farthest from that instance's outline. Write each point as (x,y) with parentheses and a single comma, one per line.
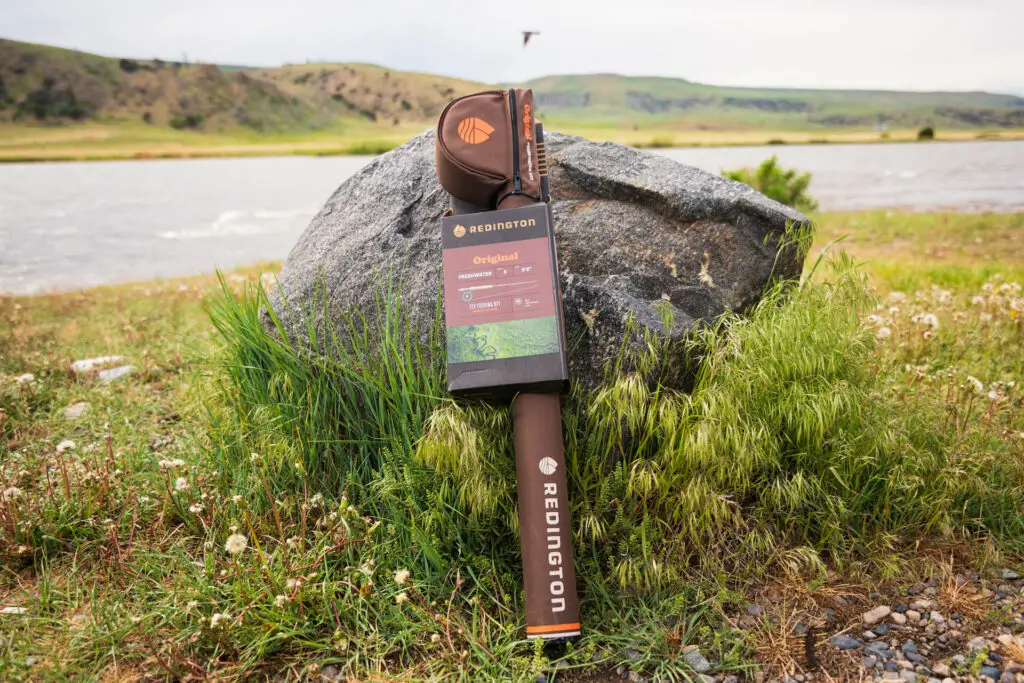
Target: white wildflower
(976,384)
(944,295)
(435,638)
(883,333)
(236,544)
(929,319)
(978,300)
(928,334)
(402,577)
(143,499)
(293,542)
(292,584)
(65,445)
(220,618)
(195,509)
(988,288)
(12,493)
(237,500)
(985,317)
(995,396)
(897,296)
(255,458)
(191,605)
(1011,287)
(281,600)
(27,378)
(893,310)
(181,484)
(402,597)
(873,319)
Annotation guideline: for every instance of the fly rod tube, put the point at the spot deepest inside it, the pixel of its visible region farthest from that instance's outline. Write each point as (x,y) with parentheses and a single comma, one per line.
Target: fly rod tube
(549,576)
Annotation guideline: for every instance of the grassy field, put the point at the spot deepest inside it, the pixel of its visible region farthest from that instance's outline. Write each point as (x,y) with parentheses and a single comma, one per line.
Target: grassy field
(97,141)
(231,509)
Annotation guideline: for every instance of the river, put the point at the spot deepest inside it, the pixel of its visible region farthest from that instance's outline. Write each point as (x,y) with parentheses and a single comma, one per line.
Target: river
(75,225)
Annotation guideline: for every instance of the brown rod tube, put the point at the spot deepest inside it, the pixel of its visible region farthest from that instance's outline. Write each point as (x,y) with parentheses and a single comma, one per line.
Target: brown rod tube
(552,606)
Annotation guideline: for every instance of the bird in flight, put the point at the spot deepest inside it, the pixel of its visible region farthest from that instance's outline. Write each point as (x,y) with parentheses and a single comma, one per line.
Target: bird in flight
(527,35)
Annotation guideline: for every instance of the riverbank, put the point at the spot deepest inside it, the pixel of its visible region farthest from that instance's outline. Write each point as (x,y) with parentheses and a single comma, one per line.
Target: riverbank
(121,494)
(105,142)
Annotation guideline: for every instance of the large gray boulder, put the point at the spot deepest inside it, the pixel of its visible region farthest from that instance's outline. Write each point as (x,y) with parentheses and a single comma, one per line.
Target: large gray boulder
(636,233)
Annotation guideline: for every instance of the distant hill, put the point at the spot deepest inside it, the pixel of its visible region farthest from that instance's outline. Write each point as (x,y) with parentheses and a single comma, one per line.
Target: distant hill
(50,85)
(41,83)
(610,97)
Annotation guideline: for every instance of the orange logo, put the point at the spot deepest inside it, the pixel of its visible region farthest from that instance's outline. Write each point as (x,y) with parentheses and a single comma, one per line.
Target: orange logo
(474,130)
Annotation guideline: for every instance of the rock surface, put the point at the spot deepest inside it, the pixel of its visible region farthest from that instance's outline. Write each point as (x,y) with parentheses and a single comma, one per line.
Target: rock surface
(635,232)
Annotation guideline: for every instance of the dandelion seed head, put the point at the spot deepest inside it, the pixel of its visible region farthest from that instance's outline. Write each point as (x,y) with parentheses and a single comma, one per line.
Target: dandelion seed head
(435,637)
(402,577)
(281,600)
(65,445)
(883,333)
(220,619)
(236,544)
(237,500)
(191,605)
(976,384)
(181,484)
(195,508)
(402,598)
(897,296)
(978,300)
(12,493)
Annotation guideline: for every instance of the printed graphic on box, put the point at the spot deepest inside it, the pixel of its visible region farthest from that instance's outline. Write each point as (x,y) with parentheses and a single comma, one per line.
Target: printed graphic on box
(499,301)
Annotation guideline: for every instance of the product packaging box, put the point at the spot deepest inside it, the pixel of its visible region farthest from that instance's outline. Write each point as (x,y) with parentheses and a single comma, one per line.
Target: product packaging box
(503,310)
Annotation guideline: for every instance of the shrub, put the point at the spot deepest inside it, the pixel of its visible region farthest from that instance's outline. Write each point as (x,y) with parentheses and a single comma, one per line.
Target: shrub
(129,65)
(926,133)
(786,186)
(48,101)
(187,121)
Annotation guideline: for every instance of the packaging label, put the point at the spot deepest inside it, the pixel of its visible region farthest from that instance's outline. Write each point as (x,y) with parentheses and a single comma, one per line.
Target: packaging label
(499,286)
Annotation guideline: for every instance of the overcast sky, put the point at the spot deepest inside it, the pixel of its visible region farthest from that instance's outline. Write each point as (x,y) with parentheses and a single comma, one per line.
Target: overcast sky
(895,44)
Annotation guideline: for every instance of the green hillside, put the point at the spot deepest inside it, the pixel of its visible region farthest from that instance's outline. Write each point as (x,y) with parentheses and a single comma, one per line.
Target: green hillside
(615,99)
(44,84)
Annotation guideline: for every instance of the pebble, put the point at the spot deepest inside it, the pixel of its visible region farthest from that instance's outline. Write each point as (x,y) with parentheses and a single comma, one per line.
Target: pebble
(1009,575)
(868,635)
(845,642)
(916,658)
(992,672)
(27,378)
(75,410)
(330,673)
(909,646)
(937,618)
(977,644)
(882,630)
(901,609)
(755,610)
(869,662)
(891,676)
(940,669)
(697,661)
(1007,677)
(620,670)
(90,364)
(631,654)
(874,616)
(14,610)
(731,679)
(922,605)
(908,676)
(914,616)
(891,665)
(899,618)
(635,677)
(108,376)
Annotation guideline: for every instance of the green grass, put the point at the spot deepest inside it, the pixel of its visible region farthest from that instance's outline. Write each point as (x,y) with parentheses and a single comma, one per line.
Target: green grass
(810,438)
